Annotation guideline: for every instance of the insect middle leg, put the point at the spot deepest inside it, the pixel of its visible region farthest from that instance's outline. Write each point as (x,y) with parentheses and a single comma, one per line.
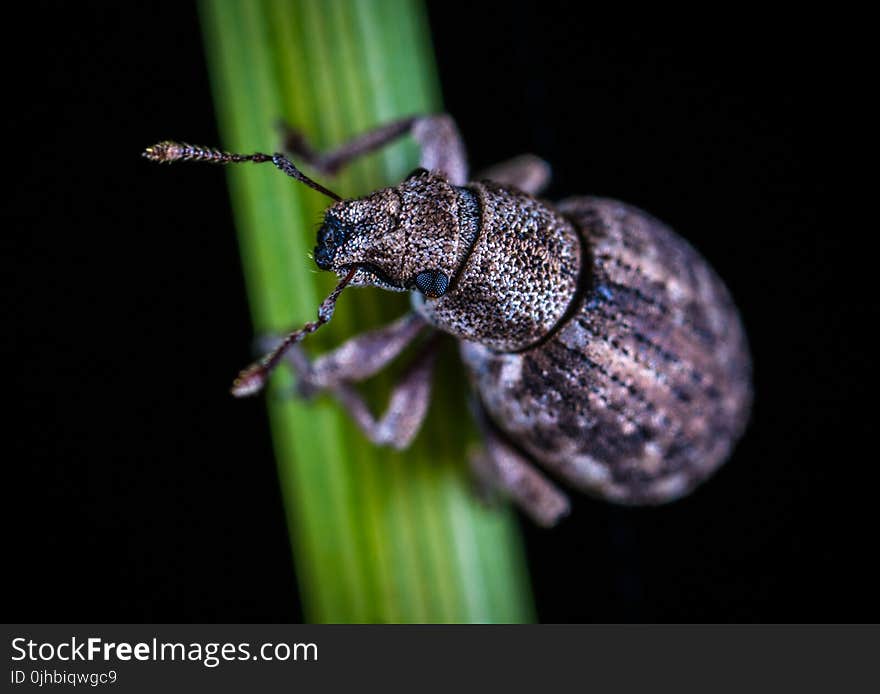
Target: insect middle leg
(407,406)
(442,148)
(361,357)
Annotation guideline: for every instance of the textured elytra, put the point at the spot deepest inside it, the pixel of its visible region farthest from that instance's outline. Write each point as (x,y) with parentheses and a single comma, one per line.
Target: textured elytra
(641,394)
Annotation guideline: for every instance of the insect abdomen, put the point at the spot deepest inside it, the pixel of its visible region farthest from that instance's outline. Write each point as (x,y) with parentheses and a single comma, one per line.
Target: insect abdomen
(642,393)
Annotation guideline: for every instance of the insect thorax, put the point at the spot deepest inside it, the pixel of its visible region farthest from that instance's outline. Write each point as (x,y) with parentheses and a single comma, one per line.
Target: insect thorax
(519,276)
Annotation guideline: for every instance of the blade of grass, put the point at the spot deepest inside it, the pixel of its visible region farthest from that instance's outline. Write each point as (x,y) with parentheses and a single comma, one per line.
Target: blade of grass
(378,536)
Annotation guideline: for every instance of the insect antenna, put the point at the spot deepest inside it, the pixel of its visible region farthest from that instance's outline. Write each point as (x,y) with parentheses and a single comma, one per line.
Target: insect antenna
(167,151)
(253,378)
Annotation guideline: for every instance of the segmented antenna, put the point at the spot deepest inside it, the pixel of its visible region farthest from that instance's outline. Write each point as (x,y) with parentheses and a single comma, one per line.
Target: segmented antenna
(168,151)
(254,377)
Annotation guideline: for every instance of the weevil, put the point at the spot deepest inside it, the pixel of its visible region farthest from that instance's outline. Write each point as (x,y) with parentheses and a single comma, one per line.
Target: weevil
(601,347)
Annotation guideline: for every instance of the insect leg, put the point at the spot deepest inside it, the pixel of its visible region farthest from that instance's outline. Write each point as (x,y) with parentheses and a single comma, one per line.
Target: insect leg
(354,360)
(252,379)
(501,467)
(406,408)
(527,172)
(442,148)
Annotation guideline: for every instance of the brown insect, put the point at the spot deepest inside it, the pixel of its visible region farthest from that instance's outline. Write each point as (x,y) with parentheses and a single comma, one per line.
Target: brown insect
(599,343)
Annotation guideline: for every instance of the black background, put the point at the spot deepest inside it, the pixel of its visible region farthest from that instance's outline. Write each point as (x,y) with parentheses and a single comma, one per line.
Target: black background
(147,494)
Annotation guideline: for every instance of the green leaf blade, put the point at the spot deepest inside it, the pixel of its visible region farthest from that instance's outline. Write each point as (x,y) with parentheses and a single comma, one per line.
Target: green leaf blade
(377,536)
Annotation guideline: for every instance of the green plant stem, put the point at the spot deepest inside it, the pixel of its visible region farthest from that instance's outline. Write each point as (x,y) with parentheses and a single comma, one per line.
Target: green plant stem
(378,536)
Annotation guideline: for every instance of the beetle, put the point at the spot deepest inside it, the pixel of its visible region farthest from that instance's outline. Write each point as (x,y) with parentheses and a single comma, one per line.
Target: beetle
(599,344)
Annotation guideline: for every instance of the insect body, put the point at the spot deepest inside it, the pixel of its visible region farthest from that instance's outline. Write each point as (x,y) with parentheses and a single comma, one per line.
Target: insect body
(599,343)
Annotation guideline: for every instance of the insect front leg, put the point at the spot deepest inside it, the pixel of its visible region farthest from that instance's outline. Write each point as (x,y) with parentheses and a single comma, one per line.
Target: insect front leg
(527,172)
(500,467)
(442,148)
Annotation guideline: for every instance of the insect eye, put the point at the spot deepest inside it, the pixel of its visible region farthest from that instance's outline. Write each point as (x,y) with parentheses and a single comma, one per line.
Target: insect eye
(432,283)
(332,233)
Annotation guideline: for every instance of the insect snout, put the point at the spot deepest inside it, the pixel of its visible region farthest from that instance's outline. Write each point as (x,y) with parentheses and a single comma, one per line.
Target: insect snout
(331,236)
